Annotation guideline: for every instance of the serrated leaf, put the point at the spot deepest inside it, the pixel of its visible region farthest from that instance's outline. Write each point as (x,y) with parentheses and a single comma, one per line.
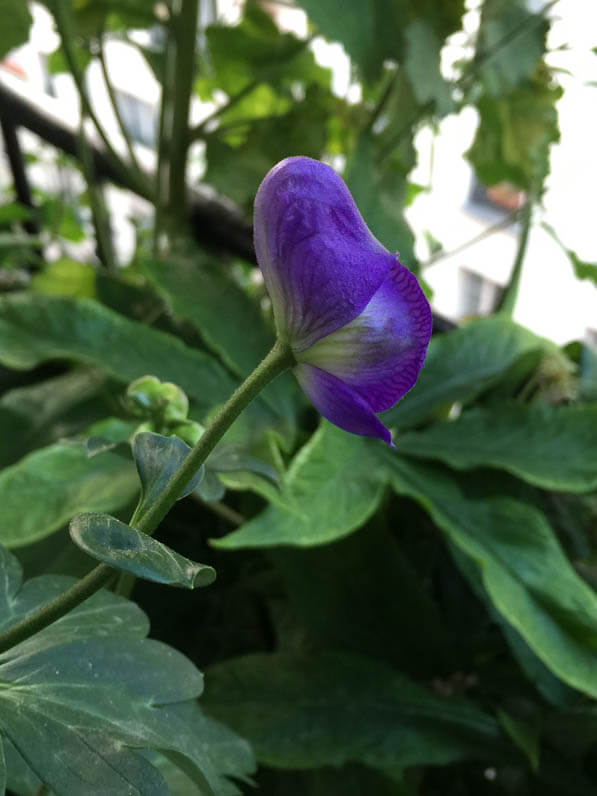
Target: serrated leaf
(43,491)
(306,711)
(460,365)
(125,548)
(157,459)
(553,447)
(333,486)
(523,568)
(35,329)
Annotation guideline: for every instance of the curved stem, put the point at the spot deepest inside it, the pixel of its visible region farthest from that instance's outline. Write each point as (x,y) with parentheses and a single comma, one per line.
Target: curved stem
(278,360)
(508,301)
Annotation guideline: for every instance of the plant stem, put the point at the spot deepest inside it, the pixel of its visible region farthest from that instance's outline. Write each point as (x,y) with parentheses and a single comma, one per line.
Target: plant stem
(508,300)
(278,360)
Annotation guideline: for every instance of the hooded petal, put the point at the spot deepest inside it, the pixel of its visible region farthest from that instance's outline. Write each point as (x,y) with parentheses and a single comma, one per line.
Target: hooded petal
(320,262)
(379,354)
(339,404)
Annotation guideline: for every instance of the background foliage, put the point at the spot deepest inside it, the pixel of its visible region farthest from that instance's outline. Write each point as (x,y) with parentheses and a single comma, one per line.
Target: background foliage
(420,621)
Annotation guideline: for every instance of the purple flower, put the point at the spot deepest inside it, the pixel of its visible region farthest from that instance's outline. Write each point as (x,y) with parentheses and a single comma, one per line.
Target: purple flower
(356,320)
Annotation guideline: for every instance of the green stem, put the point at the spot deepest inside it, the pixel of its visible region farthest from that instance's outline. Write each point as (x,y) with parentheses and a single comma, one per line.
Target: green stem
(508,301)
(198,131)
(278,360)
(184,30)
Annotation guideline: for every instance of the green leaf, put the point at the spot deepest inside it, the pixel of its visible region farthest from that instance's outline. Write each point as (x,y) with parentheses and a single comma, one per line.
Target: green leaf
(48,487)
(157,459)
(198,290)
(302,711)
(65,277)
(510,42)
(523,568)
(515,133)
(582,269)
(422,64)
(554,447)
(82,696)
(35,329)
(333,486)
(372,32)
(125,548)
(16,21)
(523,735)
(462,364)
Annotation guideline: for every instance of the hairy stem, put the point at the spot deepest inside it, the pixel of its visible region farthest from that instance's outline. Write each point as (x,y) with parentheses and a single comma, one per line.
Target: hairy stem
(278,360)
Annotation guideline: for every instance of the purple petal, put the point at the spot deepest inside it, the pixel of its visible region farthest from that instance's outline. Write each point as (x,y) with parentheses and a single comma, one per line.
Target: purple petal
(320,263)
(339,404)
(379,354)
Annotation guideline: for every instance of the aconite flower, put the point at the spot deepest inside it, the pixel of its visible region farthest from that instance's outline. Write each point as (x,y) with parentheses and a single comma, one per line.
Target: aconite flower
(356,320)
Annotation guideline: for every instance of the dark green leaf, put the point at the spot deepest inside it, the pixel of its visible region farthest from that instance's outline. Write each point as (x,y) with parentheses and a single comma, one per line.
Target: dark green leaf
(47,488)
(16,21)
(523,568)
(199,289)
(461,364)
(510,42)
(554,447)
(125,548)
(303,711)
(422,65)
(583,270)
(332,486)
(34,329)
(157,459)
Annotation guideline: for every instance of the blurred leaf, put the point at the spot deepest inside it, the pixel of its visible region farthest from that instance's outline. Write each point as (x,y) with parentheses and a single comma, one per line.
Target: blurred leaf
(56,62)
(89,690)
(35,329)
(523,735)
(332,486)
(510,42)
(236,171)
(302,711)
(199,290)
(523,568)
(380,196)
(583,270)
(461,364)
(515,133)
(554,447)
(65,277)
(127,549)
(372,32)
(422,64)
(48,487)
(16,21)
(157,459)
(60,218)
(14,212)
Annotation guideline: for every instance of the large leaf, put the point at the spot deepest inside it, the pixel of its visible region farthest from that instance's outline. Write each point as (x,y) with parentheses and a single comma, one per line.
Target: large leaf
(34,329)
(332,486)
(16,21)
(523,568)
(462,364)
(80,697)
(554,447)
(302,711)
(200,290)
(125,548)
(422,65)
(510,42)
(48,487)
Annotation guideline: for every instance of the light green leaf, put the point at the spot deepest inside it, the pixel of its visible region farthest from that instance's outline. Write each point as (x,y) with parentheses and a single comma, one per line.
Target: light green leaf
(462,364)
(523,568)
(35,329)
(125,548)
(16,21)
(554,447)
(332,486)
(198,290)
(65,277)
(422,64)
(157,459)
(302,711)
(48,487)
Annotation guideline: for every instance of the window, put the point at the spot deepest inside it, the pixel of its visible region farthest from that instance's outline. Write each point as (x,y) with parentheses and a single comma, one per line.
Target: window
(138,117)
(478,295)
